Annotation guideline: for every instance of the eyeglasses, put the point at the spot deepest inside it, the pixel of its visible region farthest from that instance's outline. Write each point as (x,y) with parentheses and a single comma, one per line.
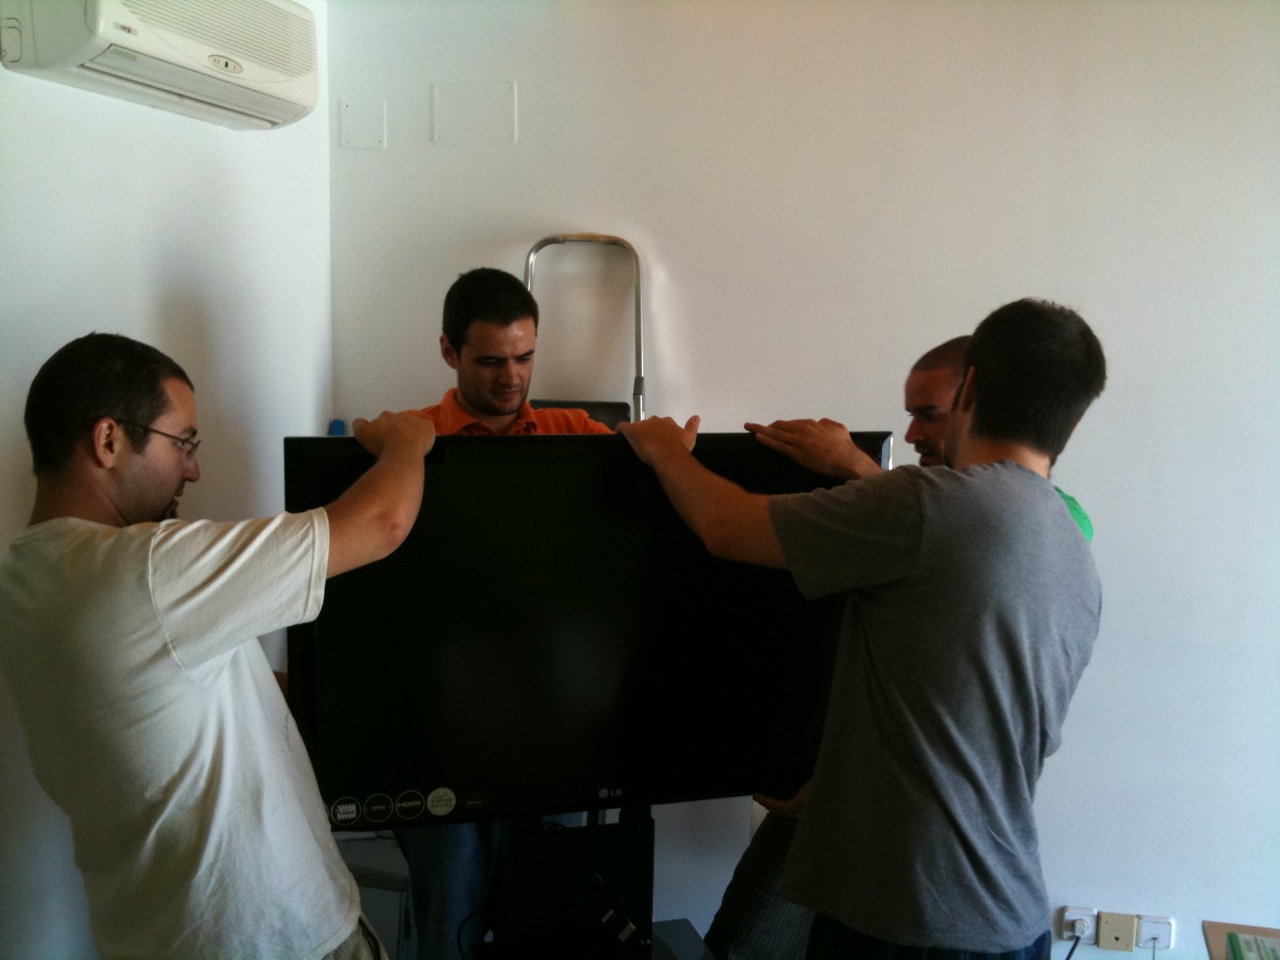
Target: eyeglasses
(185,444)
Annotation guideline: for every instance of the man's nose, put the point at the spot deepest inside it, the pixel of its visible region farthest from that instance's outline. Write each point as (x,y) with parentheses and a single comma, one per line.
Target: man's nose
(913,431)
(192,471)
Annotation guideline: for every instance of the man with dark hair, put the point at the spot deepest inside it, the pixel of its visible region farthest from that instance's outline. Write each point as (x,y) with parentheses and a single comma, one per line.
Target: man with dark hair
(485,293)
(1018,406)
(97,375)
(973,605)
(489,336)
(754,922)
(128,639)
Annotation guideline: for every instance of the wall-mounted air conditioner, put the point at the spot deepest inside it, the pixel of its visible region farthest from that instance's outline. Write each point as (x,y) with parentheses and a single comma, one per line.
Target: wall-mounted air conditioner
(240,63)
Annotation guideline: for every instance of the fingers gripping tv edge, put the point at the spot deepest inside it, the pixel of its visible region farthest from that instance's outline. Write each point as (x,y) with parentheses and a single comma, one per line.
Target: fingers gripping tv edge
(551,637)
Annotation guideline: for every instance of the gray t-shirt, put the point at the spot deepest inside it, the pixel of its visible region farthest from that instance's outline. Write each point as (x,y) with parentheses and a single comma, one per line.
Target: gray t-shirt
(973,607)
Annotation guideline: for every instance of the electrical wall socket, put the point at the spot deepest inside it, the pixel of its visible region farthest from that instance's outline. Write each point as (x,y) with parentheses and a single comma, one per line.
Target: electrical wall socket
(1068,916)
(1117,931)
(1157,929)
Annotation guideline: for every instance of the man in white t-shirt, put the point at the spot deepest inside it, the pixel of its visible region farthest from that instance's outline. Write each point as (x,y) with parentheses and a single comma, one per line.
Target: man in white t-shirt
(128,640)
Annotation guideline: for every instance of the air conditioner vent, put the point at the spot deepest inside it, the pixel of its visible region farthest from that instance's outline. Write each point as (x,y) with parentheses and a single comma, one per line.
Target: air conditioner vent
(248,29)
(136,68)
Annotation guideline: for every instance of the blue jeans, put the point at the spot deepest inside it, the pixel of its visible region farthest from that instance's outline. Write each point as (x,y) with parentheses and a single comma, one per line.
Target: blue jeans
(832,940)
(453,870)
(754,922)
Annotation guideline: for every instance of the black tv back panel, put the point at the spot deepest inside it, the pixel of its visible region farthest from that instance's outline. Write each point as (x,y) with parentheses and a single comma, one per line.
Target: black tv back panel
(551,637)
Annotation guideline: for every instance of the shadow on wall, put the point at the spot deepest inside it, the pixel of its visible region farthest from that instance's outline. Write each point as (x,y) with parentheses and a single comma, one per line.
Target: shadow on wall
(43,911)
(20,482)
(187,332)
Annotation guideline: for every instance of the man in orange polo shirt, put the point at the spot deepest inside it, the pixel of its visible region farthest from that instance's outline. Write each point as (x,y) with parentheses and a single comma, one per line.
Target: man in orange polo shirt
(490,333)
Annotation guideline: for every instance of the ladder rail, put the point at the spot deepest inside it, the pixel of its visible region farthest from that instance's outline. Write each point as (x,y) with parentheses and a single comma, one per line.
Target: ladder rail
(637,387)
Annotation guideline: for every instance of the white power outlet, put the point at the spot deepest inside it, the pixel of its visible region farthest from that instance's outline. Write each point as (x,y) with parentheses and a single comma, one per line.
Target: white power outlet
(1155,929)
(1085,917)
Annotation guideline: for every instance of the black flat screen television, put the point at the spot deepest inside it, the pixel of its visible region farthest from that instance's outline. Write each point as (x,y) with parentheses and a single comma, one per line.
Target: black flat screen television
(551,637)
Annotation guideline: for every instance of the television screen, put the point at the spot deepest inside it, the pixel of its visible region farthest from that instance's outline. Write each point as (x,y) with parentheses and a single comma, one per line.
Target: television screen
(551,637)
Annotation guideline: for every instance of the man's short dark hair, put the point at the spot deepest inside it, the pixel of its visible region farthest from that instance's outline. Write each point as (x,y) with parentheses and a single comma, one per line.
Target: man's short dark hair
(98,375)
(485,294)
(945,356)
(1039,366)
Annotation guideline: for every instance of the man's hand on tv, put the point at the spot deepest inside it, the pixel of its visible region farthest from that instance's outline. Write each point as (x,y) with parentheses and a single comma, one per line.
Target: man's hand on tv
(656,438)
(395,430)
(822,445)
(791,808)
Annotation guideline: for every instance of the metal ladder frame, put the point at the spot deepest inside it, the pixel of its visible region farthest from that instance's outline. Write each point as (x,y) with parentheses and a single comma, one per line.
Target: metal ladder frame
(637,388)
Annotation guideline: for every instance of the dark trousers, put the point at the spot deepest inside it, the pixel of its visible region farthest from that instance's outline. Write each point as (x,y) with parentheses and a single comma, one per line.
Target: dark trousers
(832,940)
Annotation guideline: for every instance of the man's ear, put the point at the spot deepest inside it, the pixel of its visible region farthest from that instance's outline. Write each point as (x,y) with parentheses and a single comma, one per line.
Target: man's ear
(446,350)
(968,391)
(109,443)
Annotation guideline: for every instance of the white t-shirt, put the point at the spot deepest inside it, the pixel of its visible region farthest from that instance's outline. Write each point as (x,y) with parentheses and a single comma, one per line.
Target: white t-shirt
(154,721)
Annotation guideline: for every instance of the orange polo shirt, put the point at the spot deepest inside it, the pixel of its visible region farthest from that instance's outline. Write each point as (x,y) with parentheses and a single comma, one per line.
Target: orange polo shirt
(450,419)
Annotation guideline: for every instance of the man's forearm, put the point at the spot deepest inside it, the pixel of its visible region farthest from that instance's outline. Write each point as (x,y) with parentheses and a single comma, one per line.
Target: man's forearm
(730,522)
(377,512)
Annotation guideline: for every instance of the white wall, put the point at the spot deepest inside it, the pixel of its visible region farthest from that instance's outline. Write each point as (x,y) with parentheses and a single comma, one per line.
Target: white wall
(821,191)
(213,245)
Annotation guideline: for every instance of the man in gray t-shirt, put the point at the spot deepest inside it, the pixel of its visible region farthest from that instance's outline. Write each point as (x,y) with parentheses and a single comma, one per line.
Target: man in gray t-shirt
(754,922)
(973,604)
